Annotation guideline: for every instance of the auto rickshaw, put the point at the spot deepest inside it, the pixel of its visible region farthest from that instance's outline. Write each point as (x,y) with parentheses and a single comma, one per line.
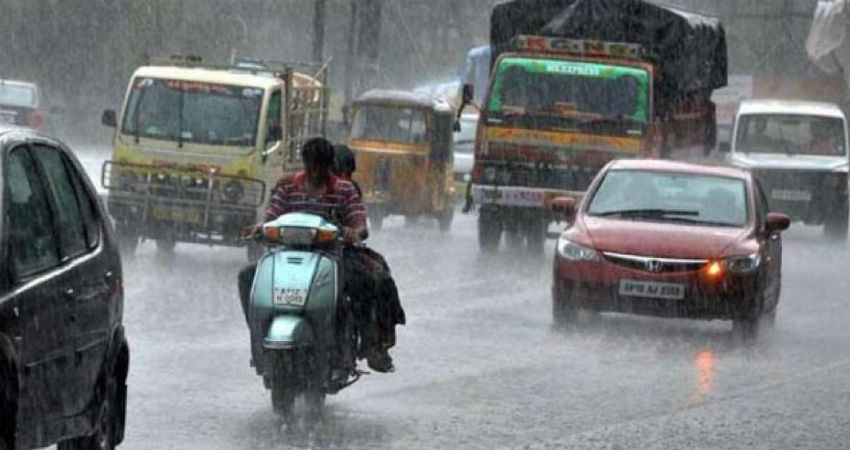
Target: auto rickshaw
(402,141)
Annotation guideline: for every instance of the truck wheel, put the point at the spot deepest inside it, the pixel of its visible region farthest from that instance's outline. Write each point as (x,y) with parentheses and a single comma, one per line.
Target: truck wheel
(128,240)
(535,235)
(489,233)
(166,246)
(103,436)
(445,219)
(835,227)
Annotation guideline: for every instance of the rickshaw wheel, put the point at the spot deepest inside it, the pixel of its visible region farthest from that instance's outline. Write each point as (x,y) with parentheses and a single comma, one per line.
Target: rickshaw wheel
(376,220)
(445,219)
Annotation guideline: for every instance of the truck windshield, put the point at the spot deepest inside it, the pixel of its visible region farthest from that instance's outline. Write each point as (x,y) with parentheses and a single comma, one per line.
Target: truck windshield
(387,123)
(582,90)
(191,111)
(791,134)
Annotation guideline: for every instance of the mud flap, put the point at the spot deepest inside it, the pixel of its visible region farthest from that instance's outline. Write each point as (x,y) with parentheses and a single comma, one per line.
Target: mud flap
(288,332)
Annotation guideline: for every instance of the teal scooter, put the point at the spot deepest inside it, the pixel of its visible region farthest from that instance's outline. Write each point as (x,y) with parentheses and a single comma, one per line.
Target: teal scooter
(303,335)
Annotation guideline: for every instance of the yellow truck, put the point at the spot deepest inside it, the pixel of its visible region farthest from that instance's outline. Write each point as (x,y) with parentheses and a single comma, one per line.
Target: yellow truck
(197,146)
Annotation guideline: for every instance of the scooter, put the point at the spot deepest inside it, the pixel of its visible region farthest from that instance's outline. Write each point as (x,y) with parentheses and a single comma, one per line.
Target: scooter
(303,336)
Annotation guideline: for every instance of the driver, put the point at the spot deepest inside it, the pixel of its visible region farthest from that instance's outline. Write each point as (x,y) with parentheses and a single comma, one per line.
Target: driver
(318,190)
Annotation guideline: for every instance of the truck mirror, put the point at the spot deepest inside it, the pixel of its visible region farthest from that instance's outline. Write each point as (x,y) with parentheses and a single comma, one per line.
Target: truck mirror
(109,118)
(468,94)
(275,133)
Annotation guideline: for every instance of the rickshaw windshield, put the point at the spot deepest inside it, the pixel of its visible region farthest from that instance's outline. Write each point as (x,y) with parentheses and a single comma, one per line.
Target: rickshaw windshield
(387,123)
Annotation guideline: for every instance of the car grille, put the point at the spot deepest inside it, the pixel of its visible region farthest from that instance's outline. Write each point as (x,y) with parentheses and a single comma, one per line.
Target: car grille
(654,265)
(808,180)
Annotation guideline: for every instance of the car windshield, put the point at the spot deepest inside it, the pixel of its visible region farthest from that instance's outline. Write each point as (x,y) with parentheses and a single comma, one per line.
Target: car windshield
(389,123)
(17,95)
(671,197)
(585,90)
(190,111)
(791,134)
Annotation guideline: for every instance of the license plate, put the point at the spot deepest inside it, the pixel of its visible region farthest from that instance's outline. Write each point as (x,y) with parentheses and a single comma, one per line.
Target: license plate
(791,195)
(290,297)
(176,215)
(652,289)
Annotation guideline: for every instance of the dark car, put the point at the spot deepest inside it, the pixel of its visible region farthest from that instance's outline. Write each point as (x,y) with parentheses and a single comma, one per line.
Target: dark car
(63,354)
(21,103)
(671,239)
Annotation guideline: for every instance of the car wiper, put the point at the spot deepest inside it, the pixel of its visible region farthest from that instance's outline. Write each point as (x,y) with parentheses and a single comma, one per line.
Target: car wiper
(648,212)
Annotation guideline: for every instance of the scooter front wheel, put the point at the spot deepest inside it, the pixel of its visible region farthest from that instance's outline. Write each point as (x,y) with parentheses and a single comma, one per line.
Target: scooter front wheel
(283,385)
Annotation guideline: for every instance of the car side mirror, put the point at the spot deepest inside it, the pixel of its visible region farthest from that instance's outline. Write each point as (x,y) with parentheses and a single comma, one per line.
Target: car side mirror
(564,205)
(776,222)
(109,118)
(456,126)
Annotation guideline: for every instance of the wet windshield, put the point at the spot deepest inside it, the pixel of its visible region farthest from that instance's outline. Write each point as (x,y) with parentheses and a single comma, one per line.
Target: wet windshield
(569,88)
(671,197)
(192,112)
(17,95)
(791,134)
(387,123)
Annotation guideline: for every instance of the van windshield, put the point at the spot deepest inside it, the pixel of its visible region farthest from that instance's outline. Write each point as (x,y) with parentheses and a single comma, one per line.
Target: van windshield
(189,111)
(791,134)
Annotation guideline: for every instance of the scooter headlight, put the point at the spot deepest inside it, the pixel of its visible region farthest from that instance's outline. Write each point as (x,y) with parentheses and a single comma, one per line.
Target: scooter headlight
(571,251)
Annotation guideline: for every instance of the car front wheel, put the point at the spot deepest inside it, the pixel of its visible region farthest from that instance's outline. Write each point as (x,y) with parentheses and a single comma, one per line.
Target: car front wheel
(835,227)
(565,310)
(104,433)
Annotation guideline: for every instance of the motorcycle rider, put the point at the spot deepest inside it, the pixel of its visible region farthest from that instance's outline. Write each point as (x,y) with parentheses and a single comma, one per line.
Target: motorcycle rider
(318,190)
(388,309)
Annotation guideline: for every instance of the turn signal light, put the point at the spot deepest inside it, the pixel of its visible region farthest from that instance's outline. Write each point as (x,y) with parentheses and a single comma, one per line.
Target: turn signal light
(271,233)
(714,270)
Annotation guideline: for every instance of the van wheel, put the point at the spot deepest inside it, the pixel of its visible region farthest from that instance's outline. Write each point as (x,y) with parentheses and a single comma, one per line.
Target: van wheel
(103,436)
(835,227)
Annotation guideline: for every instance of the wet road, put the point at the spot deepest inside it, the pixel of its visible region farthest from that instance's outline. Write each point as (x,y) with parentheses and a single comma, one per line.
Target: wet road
(479,365)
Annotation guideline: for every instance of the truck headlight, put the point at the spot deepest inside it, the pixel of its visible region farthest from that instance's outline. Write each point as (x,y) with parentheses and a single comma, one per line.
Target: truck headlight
(232,191)
(571,251)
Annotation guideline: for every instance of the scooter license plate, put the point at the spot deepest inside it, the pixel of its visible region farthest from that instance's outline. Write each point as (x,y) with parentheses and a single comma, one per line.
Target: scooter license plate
(290,297)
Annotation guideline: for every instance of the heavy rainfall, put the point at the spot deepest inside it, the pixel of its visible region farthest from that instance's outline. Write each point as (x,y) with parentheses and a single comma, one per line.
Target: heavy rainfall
(424,224)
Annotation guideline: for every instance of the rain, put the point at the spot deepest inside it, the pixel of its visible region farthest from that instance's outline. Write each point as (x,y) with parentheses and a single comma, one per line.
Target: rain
(693,293)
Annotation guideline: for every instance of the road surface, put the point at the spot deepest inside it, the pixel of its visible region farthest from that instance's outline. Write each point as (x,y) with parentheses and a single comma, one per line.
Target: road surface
(480,366)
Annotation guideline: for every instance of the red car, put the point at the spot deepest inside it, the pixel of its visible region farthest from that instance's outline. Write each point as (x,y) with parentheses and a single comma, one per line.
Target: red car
(670,239)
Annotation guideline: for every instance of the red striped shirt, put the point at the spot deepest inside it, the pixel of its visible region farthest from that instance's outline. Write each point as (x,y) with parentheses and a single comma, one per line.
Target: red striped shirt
(340,199)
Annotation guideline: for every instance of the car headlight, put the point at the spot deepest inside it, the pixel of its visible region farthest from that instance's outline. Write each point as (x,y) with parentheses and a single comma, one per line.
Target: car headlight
(574,252)
(743,264)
